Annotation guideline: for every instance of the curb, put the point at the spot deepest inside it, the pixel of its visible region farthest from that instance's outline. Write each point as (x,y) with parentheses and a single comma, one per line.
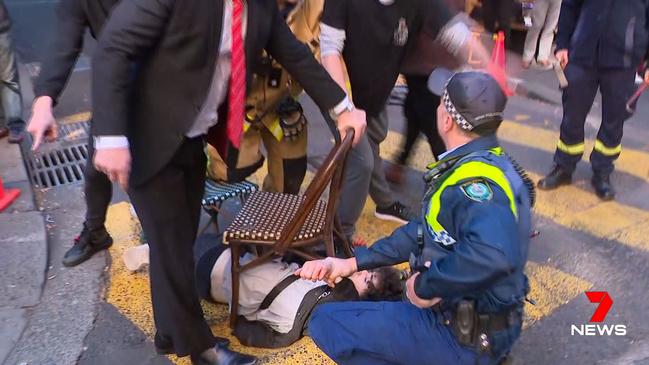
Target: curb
(535,91)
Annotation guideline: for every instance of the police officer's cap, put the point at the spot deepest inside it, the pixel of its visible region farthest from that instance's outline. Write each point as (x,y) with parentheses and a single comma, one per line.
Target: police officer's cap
(474,99)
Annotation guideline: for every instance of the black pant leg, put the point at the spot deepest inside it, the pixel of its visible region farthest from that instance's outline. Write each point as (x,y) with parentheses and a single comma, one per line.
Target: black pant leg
(577,101)
(168,206)
(616,86)
(424,107)
(505,17)
(98,190)
(412,120)
(489,17)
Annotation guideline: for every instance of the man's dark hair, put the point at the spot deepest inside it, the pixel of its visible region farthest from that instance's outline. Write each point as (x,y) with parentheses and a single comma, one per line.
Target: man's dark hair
(390,285)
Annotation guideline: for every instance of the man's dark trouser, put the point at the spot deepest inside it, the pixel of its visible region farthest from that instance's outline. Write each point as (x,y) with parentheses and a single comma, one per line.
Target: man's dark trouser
(420,109)
(616,86)
(99,191)
(168,206)
(10,96)
(500,12)
(386,333)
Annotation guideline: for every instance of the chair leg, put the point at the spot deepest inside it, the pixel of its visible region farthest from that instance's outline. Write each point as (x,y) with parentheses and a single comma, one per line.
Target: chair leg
(234,306)
(338,229)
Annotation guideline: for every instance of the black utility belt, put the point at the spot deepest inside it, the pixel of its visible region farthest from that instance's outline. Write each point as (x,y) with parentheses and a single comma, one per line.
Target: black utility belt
(474,329)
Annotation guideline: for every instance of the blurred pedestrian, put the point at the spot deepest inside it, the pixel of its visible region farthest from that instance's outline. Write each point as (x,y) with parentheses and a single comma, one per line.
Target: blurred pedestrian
(545,16)
(420,105)
(600,43)
(12,124)
(167,77)
(497,15)
(74,17)
(373,60)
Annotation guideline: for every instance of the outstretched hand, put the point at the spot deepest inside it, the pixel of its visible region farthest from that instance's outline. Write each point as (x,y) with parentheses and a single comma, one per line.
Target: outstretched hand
(330,269)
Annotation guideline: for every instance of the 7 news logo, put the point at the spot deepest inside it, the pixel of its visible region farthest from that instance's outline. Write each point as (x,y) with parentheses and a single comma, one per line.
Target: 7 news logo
(605,303)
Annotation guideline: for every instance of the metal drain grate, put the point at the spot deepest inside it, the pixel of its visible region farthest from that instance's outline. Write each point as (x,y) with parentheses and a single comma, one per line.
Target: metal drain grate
(74,131)
(57,167)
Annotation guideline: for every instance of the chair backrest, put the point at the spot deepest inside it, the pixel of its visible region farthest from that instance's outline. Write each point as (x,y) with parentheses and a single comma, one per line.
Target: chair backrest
(329,174)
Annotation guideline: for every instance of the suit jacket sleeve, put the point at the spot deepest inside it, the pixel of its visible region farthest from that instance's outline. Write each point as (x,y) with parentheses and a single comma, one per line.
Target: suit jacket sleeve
(568,18)
(296,58)
(133,28)
(64,50)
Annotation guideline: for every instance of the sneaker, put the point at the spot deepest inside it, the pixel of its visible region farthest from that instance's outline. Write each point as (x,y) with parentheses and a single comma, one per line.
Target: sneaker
(16,135)
(135,257)
(396,212)
(86,245)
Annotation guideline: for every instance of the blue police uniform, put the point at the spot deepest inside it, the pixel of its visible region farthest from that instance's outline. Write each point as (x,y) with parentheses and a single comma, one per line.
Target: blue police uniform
(606,40)
(474,229)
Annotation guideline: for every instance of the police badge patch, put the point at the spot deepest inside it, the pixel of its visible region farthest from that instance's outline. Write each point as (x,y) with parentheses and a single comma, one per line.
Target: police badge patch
(477,190)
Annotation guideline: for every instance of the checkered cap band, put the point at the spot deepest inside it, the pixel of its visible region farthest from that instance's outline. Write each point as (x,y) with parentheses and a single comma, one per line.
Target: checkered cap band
(455,115)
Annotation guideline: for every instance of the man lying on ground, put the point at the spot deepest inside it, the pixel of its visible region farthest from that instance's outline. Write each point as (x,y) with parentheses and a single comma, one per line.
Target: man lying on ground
(275,304)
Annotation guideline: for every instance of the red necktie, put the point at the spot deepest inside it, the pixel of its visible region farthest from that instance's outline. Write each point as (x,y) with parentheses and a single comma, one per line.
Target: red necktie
(237,91)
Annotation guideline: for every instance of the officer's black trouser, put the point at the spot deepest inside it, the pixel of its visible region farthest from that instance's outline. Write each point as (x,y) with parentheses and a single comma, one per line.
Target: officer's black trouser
(99,191)
(420,109)
(616,86)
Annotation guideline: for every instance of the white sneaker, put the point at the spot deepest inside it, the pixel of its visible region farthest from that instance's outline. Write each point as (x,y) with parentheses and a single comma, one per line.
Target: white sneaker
(135,257)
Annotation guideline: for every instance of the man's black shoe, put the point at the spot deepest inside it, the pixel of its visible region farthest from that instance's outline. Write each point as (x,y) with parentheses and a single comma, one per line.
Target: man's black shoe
(87,244)
(163,345)
(603,187)
(396,212)
(225,356)
(555,178)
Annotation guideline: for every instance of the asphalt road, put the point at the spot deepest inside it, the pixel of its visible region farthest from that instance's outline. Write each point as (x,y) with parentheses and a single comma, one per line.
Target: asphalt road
(100,314)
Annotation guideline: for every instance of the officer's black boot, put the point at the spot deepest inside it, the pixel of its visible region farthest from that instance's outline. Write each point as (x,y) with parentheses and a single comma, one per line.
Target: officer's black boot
(557,177)
(87,244)
(603,187)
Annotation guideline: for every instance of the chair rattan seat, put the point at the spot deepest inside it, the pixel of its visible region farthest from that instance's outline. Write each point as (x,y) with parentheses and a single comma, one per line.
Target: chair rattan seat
(218,191)
(265,214)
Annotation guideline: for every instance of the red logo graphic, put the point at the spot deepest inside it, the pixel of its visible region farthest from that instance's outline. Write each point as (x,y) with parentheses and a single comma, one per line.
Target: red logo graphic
(605,303)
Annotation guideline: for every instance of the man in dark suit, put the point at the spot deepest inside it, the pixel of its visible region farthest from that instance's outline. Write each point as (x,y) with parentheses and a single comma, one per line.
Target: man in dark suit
(190,61)
(74,17)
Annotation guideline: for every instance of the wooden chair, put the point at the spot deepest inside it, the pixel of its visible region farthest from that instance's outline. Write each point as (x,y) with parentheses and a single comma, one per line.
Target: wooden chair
(217,192)
(276,224)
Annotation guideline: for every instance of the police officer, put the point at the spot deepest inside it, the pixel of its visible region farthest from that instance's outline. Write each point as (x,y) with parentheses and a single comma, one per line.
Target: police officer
(467,250)
(600,43)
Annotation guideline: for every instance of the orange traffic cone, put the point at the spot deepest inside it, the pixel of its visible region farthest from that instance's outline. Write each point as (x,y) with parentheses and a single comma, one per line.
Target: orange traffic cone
(498,62)
(7,196)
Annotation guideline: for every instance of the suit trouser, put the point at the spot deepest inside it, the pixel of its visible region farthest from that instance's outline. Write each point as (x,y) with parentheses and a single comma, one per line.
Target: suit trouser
(545,16)
(286,160)
(420,109)
(364,174)
(10,95)
(168,206)
(99,191)
(378,333)
(616,86)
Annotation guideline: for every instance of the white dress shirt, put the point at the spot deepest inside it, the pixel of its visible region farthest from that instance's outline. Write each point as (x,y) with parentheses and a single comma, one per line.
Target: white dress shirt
(207,116)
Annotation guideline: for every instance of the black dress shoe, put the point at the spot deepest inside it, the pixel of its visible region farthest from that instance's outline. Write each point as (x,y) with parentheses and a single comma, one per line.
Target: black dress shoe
(555,178)
(163,345)
(87,244)
(603,187)
(225,356)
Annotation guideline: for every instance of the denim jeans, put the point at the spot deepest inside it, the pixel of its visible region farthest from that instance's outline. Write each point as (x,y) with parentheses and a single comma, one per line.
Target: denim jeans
(10,96)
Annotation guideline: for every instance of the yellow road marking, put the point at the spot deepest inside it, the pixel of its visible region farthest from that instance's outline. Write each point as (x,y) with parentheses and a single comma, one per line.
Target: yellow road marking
(631,161)
(74,118)
(569,206)
(550,288)
(129,293)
